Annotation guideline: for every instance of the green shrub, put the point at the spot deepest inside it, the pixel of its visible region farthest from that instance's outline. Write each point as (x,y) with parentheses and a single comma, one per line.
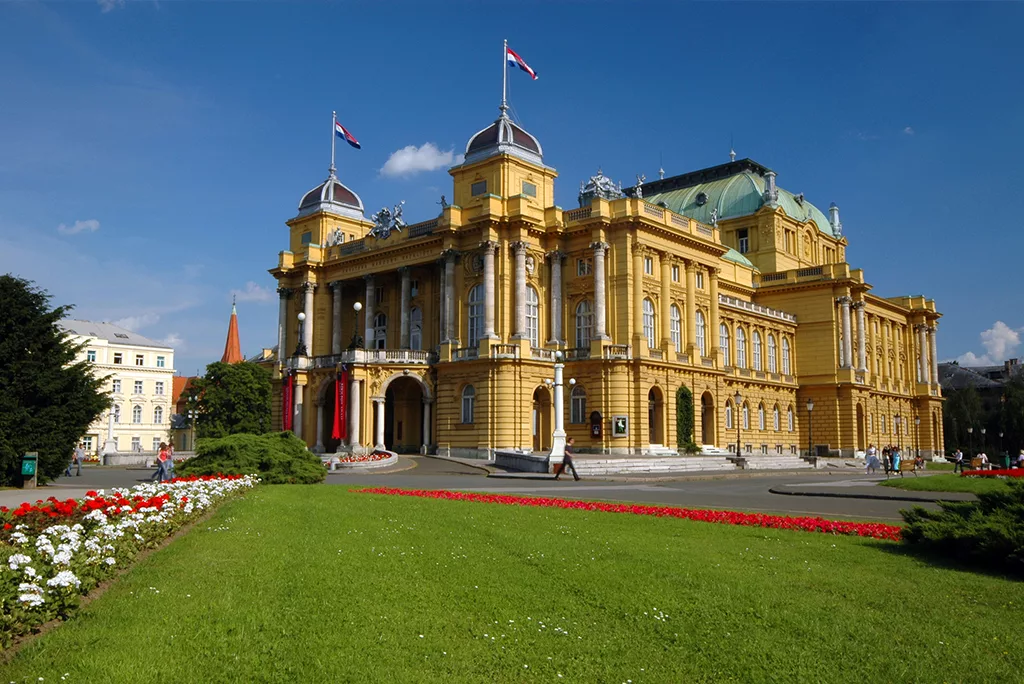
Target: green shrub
(278,458)
(988,533)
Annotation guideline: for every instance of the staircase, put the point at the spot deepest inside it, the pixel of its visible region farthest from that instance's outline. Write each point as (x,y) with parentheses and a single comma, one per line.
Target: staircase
(670,465)
(774,462)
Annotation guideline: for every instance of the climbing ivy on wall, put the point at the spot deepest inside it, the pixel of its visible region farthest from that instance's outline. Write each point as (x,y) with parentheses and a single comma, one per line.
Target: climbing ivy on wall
(684,421)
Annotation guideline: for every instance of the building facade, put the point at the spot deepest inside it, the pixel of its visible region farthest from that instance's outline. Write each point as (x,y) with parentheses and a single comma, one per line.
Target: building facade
(139,374)
(714,299)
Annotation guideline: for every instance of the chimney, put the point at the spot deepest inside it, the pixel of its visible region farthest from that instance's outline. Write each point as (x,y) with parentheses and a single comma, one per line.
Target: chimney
(833,219)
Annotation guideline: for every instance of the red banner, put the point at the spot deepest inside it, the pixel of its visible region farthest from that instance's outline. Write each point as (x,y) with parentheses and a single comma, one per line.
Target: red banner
(336,428)
(341,406)
(286,402)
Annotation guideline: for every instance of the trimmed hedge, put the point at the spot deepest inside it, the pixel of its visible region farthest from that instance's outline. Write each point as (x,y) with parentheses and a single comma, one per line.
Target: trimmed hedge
(278,458)
(988,534)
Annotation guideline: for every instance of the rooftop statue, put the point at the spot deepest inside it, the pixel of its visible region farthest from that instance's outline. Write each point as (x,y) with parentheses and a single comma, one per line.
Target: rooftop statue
(387,220)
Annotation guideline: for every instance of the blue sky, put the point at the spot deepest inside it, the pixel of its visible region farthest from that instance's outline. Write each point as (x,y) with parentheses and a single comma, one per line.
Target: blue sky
(151,152)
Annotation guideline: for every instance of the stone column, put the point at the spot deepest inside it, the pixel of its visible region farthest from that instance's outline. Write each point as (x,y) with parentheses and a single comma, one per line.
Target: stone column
(558,436)
(426,426)
(297,419)
(639,344)
(931,355)
(369,306)
(691,312)
(519,251)
(922,354)
(378,438)
(307,327)
(489,247)
(862,341)
(449,296)
(319,448)
(600,299)
(846,352)
(406,302)
(282,324)
(354,408)
(556,258)
(886,334)
(336,320)
(872,342)
(666,304)
(712,330)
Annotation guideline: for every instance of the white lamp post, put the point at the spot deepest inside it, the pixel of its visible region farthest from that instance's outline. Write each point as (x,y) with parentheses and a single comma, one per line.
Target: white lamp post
(558,436)
(356,342)
(300,348)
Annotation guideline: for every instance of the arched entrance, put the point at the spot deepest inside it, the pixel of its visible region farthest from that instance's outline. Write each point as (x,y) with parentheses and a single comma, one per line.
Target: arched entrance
(861,429)
(656,415)
(937,447)
(707,419)
(684,418)
(326,398)
(541,420)
(403,415)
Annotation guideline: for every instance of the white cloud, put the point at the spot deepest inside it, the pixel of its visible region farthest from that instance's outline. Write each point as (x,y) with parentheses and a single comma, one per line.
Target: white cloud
(254,293)
(175,341)
(412,159)
(1000,342)
(137,323)
(88,226)
(908,131)
(109,5)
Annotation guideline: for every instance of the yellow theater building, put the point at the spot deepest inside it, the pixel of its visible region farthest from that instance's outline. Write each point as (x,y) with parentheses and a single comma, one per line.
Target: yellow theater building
(709,311)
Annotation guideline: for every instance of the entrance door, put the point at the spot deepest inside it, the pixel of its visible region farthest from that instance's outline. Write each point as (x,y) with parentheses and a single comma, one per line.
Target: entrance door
(541,419)
(655,412)
(861,430)
(707,419)
(403,416)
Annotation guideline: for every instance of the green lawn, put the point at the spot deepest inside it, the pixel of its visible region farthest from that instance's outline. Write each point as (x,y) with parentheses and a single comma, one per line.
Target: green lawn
(946,483)
(315,584)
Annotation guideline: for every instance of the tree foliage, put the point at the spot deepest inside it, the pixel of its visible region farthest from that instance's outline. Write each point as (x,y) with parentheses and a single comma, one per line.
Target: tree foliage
(278,458)
(231,398)
(684,421)
(47,398)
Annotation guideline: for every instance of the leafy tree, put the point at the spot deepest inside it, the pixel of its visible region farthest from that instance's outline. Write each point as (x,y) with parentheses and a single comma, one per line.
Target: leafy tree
(47,398)
(231,398)
(1012,414)
(963,409)
(684,421)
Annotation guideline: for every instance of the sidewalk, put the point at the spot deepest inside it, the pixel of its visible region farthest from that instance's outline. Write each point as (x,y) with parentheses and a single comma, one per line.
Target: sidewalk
(867,488)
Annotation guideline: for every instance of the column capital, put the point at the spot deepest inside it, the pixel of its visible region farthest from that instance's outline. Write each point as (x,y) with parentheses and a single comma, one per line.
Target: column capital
(335,285)
(599,246)
(690,264)
(844,300)
(369,277)
(713,272)
(859,304)
(488,245)
(308,287)
(449,255)
(519,247)
(285,292)
(404,270)
(555,255)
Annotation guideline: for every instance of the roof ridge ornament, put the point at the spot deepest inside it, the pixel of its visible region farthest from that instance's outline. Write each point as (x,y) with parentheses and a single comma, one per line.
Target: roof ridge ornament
(387,220)
(771,192)
(833,220)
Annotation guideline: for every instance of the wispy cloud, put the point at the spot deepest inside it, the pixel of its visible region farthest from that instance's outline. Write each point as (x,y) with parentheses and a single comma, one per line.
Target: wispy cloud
(87,226)
(137,323)
(1000,342)
(908,131)
(175,341)
(254,293)
(412,159)
(109,5)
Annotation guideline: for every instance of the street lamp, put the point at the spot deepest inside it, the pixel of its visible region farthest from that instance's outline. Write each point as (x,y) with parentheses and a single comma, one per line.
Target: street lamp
(300,347)
(970,436)
(917,436)
(982,439)
(357,341)
(810,425)
(558,436)
(736,402)
(899,435)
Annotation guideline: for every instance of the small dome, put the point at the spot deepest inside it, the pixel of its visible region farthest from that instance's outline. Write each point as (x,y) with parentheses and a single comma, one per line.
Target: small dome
(331,196)
(504,137)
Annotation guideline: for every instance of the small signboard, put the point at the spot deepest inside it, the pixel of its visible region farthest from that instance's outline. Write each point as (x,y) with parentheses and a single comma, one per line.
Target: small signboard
(29,462)
(620,426)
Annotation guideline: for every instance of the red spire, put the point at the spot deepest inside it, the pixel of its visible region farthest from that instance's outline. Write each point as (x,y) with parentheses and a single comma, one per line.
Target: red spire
(232,348)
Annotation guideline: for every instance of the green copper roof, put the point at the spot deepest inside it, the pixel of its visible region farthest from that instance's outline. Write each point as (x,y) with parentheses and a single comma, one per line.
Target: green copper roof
(737,195)
(733,255)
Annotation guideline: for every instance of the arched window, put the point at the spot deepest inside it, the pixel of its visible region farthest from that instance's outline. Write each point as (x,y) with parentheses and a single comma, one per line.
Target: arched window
(728,415)
(775,418)
(699,325)
(380,331)
(136,414)
(158,415)
(476,316)
(785,357)
(773,362)
(723,342)
(746,416)
(117,413)
(532,316)
(578,405)
(760,416)
(676,328)
(468,402)
(416,328)
(649,322)
(741,348)
(757,350)
(584,324)
(789,419)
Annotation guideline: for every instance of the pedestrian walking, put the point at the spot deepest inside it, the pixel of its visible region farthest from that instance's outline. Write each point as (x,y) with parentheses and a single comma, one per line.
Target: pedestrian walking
(896,458)
(77,456)
(958,461)
(872,460)
(567,460)
(161,464)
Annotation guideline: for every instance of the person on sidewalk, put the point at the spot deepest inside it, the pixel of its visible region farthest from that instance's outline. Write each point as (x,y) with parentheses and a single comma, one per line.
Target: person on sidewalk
(871,464)
(567,460)
(77,457)
(161,464)
(958,461)
(896,458)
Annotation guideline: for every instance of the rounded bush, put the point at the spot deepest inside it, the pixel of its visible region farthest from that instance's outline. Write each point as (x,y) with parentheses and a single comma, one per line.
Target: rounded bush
(277,457)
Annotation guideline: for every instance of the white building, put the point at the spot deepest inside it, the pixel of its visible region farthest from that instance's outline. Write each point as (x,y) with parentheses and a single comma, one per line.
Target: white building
(139,375)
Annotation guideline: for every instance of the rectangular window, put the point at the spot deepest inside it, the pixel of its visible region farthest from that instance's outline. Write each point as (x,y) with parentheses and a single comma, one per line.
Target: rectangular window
(159,388)
(414,288)
(764,449)
(138,387)
(307,238)
(136,444)
(140,360)
(529,189)
(378,296)
(118,357)
(160,362)
(478,188)
(116,389)
(675,274)
(700,280)
(743,241)
(583,267)
(156,444)
(648,266)
(90,356)
(87,443)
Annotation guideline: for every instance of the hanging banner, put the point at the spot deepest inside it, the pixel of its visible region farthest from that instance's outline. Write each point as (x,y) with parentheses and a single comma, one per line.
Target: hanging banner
(336,426)
(343,402)
(286,403)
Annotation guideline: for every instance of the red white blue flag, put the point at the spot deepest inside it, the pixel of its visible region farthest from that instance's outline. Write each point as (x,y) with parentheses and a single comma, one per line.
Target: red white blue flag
(515,60)
(343,133)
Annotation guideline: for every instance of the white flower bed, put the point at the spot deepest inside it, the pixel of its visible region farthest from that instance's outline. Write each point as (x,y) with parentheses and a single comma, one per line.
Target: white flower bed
(43,574)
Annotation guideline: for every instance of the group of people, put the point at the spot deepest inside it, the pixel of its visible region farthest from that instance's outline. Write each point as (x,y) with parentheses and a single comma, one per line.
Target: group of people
(889,459)
(960,462)
(164,463)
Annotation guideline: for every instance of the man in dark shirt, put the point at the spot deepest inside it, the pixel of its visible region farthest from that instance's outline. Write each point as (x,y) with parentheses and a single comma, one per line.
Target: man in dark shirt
(567,460)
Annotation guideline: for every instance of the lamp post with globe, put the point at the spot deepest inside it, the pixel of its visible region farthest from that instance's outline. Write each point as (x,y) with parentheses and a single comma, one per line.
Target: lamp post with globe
(737,398)
(558,436)
(300,347)
(357,341)
(810,426)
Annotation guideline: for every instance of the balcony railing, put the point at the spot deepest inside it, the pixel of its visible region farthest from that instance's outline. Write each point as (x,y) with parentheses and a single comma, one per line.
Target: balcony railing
(755,308)
(577,354)
(465,353)
(618,351)
(505,351)
(655,354)
(576,214)
(369,356)
(542,354)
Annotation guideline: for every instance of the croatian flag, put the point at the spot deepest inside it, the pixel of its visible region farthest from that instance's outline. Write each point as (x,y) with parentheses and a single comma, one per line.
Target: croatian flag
(516,60)
(346,136)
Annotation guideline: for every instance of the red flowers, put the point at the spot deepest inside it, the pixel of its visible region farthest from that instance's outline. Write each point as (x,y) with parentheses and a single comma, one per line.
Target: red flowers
(782,522)
(1015,472)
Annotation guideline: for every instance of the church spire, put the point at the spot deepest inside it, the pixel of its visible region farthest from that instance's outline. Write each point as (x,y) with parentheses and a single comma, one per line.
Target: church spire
(232,348)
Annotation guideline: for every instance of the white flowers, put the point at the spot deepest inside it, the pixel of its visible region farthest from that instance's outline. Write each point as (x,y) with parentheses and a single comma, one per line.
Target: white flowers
(30,594)
(63,579)
(17,560)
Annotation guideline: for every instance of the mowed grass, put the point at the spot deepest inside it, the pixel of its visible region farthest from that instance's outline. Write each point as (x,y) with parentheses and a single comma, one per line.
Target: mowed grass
(946,483)
(316,584)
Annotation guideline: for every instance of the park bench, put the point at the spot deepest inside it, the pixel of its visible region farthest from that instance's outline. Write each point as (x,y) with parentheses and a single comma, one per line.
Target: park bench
(976,463)
(906,466)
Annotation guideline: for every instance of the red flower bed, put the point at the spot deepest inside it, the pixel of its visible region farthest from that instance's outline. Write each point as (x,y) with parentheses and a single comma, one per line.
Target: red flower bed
(781,522)
(1015,472)
(366,458)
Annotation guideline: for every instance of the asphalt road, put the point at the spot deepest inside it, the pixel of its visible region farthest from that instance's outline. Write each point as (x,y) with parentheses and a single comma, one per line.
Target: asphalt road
(742,492)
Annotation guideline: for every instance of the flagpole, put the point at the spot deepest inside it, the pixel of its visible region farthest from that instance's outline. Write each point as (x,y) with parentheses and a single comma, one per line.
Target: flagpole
(334,121)
(504,76)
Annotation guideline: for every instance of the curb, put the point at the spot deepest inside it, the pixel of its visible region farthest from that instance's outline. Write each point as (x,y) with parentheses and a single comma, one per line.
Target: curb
(877,497)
